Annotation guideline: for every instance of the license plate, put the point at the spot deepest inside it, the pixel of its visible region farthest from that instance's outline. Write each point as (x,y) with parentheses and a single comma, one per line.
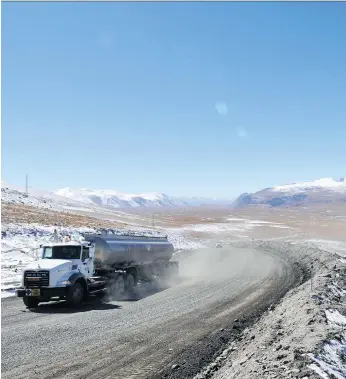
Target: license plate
(35,292)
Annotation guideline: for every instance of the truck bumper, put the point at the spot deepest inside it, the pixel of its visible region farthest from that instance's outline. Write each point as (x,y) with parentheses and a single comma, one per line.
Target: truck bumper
(44,292)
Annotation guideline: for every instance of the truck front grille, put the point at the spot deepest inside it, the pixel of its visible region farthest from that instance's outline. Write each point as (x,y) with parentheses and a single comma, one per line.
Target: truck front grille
(36,279)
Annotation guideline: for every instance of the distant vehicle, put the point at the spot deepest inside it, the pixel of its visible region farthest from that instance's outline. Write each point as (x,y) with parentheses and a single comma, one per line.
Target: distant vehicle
(73,270)
(218,245)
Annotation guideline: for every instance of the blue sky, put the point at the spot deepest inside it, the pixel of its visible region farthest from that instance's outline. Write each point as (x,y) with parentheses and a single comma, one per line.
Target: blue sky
(209,99)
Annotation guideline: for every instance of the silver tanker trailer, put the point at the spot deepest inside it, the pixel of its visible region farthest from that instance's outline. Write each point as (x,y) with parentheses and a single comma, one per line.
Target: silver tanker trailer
(114,265)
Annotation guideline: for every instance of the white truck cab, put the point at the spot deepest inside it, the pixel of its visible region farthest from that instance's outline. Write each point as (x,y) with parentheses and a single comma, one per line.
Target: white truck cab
(218,245)
(56,271)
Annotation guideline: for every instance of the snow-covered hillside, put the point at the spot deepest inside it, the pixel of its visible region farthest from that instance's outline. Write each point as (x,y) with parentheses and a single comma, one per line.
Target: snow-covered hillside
(322,191)
(42,199)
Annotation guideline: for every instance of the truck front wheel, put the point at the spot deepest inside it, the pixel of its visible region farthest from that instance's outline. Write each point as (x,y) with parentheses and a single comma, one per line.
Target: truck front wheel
(75,295)
(30,302)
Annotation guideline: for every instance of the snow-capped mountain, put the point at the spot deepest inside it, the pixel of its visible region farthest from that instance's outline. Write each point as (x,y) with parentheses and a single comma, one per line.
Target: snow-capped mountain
(117,199)
(327,184)
(325,190)
(92,200)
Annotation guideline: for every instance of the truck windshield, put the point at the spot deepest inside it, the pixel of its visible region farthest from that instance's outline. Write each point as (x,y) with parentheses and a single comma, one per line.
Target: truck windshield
(61,252)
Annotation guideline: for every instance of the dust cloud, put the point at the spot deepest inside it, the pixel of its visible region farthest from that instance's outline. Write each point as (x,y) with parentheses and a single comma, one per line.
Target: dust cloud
(220,264)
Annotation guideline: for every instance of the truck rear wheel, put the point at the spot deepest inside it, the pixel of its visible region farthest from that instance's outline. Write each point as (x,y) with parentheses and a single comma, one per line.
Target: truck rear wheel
(174,272)
(75,295)
(129,283)
(30,302)
(116,288)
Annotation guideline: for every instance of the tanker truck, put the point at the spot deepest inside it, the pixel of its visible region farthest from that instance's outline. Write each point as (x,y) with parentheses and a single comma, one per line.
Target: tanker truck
(98,264)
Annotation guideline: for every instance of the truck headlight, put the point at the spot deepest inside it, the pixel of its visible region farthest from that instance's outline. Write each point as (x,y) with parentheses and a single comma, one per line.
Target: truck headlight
(63,283)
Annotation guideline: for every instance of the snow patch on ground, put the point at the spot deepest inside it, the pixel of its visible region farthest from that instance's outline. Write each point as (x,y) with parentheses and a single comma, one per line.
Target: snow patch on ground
(330,362)
(335,318)
(240,225)
(213,228)
(247,221)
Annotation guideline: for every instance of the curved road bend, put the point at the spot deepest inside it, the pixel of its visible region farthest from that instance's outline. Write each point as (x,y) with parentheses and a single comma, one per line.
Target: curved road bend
(137,339)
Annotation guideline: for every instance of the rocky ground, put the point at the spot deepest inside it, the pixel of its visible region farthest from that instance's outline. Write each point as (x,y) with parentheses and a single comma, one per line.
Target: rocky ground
(302,336)
(16,213)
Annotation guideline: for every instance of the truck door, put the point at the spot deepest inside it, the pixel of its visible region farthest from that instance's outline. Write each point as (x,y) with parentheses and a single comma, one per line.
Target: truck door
(87,262)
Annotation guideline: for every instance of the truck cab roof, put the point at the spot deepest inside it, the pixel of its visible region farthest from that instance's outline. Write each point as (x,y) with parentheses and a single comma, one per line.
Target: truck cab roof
(69,243)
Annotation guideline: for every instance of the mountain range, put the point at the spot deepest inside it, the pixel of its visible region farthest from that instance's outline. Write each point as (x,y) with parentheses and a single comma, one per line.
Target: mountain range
(118,199)
(321,191)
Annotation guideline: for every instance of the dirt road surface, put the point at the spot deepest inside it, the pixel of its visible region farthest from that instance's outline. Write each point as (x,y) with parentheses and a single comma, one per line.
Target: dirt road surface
(145,337)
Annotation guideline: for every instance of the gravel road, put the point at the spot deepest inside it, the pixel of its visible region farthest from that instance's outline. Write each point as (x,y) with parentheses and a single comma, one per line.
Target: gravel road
(146,336)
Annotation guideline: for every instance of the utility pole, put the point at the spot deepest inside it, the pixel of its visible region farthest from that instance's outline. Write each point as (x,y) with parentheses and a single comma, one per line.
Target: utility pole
(26,183)
(311,273)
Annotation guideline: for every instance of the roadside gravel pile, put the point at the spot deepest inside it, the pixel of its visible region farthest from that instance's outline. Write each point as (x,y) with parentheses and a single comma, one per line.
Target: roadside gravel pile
(302,336)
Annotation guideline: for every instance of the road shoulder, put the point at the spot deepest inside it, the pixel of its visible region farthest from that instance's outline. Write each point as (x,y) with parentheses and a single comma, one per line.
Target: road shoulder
(303,335)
